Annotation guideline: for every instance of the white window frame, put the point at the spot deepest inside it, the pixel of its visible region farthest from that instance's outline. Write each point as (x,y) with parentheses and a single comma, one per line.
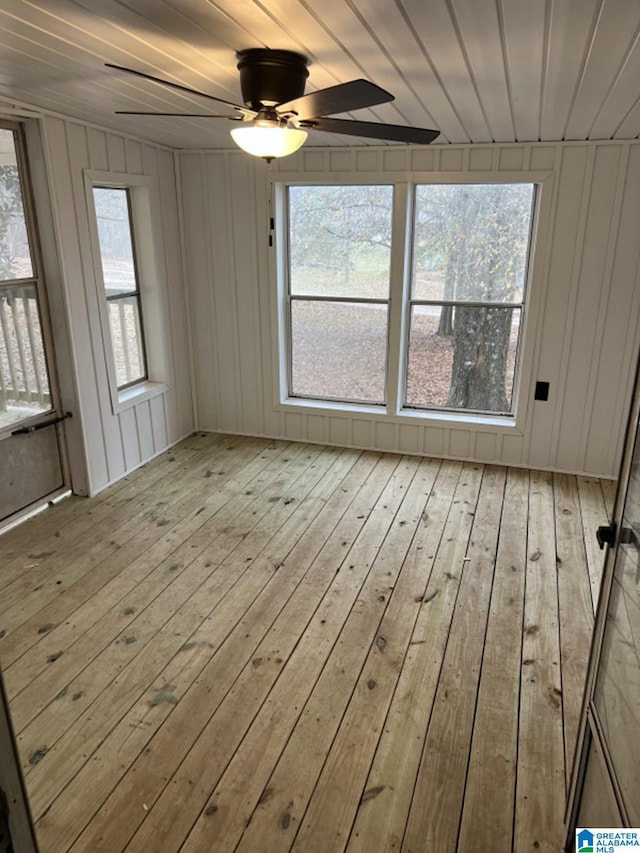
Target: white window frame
(355,300)
(400,293)
(152,313)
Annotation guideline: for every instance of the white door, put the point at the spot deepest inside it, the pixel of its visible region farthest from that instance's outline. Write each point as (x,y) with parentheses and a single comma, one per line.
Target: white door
(31,437)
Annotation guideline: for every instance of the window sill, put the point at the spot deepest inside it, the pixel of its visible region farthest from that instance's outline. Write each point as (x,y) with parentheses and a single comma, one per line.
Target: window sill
(484,423)
(451,419)
(123,400)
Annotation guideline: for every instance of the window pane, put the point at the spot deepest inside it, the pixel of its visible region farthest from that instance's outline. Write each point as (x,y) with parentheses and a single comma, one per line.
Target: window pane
(471,241)
(114,234)
(24,385)
(339,350)
(462,357)
(15,256)
(119,273)
(126,338)
(340,241)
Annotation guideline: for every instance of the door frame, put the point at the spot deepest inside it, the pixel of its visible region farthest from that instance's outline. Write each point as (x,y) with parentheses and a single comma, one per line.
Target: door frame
(589,728)
(23,145)
(13,794)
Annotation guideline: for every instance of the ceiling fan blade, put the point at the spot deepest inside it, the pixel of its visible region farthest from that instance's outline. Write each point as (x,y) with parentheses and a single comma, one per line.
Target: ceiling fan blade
(178,115)
(336,99)
(373,130)
(180,88)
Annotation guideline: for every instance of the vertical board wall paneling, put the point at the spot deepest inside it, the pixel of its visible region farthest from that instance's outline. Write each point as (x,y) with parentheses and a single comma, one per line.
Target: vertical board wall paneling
(159,204)
(56,153)
(178,402)
(133,156)
(79,158)
(585,278)
(246,235)
(271,418)
(198,239)
(53,276)
(145,430)
(613,382)
(129,437)
(97,145)
(158,314)
(115,150)
(591,290)
(605,296)
(115,443)
(568,225)
(159,422)
(218,207)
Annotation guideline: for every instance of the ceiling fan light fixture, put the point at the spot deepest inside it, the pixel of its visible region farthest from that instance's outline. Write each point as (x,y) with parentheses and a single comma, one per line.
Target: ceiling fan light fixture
(268,142)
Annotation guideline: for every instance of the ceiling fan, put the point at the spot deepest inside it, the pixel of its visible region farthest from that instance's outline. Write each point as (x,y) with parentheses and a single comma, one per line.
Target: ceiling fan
(277,114)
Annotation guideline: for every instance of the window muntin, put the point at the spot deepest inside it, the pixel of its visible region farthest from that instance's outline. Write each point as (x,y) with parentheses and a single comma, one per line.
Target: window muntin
(470,248)
(339,253)
(121,283)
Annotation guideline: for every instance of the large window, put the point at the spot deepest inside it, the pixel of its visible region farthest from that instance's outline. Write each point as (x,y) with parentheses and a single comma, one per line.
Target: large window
(121,285)
(457,295)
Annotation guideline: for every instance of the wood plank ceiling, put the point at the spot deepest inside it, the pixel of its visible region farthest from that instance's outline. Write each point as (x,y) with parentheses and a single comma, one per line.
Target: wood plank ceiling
(479,70)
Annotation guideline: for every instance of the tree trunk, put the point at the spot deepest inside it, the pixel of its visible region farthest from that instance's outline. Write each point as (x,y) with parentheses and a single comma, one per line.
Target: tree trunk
(445,326)
(481,349)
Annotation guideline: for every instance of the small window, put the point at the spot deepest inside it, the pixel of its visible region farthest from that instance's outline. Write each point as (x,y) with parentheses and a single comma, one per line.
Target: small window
(121,283)
(339,271)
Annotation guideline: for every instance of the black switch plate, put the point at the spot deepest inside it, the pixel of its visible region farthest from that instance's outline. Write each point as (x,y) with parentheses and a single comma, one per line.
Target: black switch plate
(542,391)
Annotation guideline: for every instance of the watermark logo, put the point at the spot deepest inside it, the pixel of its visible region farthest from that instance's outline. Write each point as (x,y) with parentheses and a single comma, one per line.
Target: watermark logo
(584,841)
(607,840)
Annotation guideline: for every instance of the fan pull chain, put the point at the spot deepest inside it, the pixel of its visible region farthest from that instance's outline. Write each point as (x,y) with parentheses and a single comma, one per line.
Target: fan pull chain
(272,223)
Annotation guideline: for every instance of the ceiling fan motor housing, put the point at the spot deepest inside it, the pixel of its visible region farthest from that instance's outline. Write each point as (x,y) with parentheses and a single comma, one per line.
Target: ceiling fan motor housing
(270,77)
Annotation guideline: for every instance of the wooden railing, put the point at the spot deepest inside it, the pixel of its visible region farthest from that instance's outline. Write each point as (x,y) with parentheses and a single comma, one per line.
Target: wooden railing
(23,372)
(126,338)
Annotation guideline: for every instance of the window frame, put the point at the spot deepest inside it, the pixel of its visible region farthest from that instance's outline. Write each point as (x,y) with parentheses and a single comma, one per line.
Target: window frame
(129,294)
(150,302)
(522,306)
(395,410)
(290,298)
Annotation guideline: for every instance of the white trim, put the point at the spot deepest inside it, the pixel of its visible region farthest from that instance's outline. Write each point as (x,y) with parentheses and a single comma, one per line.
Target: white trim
(399,288)
(129,397)
(417,453)
(153,311)
(493,423)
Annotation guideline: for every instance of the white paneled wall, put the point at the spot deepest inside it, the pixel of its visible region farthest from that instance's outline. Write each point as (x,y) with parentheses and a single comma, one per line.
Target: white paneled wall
(115,443)
(586,336)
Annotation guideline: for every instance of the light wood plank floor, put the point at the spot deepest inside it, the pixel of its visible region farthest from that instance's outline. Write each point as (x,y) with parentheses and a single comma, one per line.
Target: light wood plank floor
(257,645)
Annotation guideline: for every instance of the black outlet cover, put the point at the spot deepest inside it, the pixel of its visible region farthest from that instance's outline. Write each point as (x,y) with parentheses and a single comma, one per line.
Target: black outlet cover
(542,391)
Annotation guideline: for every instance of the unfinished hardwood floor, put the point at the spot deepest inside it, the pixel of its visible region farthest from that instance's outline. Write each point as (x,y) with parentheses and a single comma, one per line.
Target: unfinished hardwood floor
(258,645)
